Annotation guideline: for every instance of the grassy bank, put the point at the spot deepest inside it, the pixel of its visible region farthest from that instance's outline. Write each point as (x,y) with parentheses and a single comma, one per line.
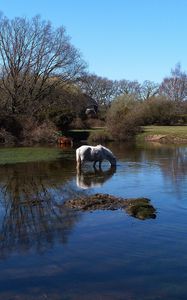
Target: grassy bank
(167,134)
(28,154)
(173,134)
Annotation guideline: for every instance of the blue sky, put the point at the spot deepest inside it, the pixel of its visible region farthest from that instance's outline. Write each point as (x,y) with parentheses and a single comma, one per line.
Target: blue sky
(119,39)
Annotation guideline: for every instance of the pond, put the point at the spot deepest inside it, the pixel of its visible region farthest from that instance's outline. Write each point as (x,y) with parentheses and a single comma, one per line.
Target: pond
(49,252)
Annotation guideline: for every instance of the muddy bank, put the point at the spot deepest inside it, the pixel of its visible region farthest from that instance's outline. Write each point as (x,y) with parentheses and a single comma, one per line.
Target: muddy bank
(163,138)
(140,208)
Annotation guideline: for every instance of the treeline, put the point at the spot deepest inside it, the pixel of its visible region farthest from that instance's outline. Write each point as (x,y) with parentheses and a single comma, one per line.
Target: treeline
(39,69)
(45,87)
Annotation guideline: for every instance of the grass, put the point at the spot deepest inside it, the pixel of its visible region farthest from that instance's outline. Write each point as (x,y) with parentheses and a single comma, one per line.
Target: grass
(27,154)
(170,131)
(87,130)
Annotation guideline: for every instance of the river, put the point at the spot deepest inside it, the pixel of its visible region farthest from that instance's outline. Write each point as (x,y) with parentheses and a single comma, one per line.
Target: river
(48,252)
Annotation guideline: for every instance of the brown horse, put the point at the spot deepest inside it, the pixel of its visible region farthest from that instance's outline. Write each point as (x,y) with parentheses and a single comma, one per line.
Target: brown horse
(65,141)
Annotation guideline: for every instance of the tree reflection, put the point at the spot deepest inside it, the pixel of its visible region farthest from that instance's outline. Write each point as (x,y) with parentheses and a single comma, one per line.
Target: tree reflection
(32,217)
(171,159)
(95,178)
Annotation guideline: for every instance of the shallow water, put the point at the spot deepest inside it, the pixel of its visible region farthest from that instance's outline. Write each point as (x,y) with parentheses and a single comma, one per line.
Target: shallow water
(47,252)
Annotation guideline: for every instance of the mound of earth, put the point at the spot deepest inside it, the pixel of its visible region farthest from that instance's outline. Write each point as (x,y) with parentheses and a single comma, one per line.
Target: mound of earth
(140,208)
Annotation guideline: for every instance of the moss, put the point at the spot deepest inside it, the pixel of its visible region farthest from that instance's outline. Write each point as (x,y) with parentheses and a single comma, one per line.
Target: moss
(140,208)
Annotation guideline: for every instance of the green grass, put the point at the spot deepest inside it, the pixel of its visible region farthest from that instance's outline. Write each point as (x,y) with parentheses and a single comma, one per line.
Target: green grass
(170,131)
(28,154)
(88,130)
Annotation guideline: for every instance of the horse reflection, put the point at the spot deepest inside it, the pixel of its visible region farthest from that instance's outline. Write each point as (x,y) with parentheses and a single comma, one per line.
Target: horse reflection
(94,178)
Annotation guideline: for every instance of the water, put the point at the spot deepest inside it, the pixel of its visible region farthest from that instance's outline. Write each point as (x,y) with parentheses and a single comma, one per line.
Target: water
(47,252)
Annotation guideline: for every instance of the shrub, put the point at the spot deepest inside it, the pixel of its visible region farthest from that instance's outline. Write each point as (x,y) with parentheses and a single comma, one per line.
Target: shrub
(77,123)
(121,123)
(43,133)
(11,124)
(6,137)
(182,119)
(158,110)
(90,123)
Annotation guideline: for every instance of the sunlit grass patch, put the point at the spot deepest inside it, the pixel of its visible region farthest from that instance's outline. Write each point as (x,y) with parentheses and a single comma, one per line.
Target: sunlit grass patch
(28,154)
(171,132)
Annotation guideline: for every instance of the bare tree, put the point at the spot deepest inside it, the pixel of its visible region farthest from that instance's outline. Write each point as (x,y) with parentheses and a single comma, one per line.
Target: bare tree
(149,89)
(127,87)
(34,59)
(99,88)
(174,87)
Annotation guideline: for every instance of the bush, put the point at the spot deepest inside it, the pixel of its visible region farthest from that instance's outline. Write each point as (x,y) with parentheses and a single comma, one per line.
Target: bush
(182,119)
(158,110)
(61,119)
(123,129)
(6,137)
(34,133)
(11,124)
(77,123)
(90,123)
(121,123)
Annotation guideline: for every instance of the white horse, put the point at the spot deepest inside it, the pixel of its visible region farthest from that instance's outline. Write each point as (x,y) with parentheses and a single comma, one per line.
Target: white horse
(94,153)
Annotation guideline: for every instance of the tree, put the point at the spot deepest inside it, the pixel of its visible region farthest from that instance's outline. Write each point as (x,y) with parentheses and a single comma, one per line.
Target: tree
(63,105)
(34,59)
(175,86)
(157,110)
(127,87)
(148,89)
(99,88)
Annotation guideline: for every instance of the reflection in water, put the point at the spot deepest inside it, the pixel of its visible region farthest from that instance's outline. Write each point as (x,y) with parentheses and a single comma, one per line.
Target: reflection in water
(171,159)
(95,178)
(31,214)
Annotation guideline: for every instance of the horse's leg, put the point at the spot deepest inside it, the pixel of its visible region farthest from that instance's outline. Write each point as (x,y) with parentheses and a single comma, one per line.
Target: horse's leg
(94,164)
(100,164)
(79,162)
(78,170)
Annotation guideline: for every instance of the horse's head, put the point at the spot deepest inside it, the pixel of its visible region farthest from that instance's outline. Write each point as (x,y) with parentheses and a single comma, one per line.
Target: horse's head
(109,156)
(112,161)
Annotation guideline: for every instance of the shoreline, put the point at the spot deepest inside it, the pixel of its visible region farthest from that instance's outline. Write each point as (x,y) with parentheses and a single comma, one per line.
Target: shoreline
(163,134)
